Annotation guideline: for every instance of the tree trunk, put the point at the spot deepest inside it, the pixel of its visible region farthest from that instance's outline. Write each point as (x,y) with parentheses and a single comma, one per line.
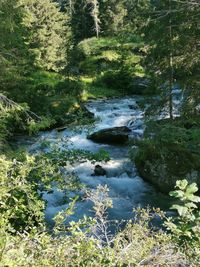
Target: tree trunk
(171,65)
(95,16)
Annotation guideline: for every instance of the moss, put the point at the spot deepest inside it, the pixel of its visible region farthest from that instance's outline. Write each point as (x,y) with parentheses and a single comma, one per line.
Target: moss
(172,153)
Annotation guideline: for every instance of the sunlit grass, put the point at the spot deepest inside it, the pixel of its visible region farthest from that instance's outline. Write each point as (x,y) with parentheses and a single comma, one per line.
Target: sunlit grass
(96,92)
(45,78)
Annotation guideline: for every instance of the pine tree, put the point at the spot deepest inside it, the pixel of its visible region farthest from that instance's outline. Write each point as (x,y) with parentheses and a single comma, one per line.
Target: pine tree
(112,16)
(173,32)
(81,21)
(49,33)
(13,51)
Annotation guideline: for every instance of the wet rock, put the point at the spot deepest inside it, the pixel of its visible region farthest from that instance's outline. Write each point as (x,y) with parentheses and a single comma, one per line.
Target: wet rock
(139,85)
(158,174)
(135,124)
(61,129)
(116,135)
(99,171)
(131,106)
(50,191)
(91,98)
(87,113)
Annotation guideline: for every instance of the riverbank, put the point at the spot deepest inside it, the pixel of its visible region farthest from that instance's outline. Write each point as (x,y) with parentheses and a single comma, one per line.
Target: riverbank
(170,152)
(64,161)
(127,189)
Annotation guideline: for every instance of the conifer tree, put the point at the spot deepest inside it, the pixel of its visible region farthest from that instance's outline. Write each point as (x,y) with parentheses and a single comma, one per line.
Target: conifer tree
(95,15)
(81,21)
(171,32)
(49,33)
(112,16)
(14,55)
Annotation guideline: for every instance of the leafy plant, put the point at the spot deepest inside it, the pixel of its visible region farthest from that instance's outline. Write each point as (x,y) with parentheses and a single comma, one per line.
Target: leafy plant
(185,228)
(60,157)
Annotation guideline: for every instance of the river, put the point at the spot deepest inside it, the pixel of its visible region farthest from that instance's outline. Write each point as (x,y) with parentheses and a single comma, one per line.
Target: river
(126,189)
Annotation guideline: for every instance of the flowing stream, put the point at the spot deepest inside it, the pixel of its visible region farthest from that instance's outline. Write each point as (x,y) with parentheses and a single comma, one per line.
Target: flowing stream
(126,189)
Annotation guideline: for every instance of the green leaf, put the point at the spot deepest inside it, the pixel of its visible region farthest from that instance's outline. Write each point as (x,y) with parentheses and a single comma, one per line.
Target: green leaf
(182,184)
(191,205)
(192,188)
(177,194)
(193,198)
(182,211)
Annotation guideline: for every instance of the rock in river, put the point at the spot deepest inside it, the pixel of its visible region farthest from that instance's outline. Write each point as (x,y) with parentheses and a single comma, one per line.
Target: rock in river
(99,171)
(116,135)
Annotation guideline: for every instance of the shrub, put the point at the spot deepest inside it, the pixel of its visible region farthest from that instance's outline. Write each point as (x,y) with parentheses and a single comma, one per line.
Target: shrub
(120,80)
(69,87)
(21,209)
(94,46)
(90,243)
(185,228)
(169,152)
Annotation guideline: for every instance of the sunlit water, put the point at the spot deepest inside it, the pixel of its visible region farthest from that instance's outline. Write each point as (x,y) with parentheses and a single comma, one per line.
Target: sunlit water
(126,189)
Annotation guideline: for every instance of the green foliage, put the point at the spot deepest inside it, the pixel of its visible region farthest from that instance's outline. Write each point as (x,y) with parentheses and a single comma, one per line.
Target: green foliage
(169,152)
(113,16)
(120,80)
(90,243)
(13,50)
(45,78)
(94,46)
(35,127)
(81,20)
(39,36)
(171,34)
(22,177)
(48,44)
(115,63)
(21,208)
(91,18)
(13,118)
(93,91)
(35,37)
(185,227)
(107,53)
(60,157)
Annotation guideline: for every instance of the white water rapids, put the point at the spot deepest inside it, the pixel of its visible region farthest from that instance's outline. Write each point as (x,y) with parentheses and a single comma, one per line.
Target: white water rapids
(126,189)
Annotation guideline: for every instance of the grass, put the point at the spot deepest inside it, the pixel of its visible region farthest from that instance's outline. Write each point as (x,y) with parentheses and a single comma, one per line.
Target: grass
(92,91)
(65,104)
(51,79)
(95,92)
(109,66)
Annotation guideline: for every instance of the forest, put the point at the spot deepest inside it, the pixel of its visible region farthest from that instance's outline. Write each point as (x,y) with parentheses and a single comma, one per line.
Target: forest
(99,133)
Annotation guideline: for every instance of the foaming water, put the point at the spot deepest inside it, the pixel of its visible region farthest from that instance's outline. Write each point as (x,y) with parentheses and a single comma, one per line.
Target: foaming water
(126,189)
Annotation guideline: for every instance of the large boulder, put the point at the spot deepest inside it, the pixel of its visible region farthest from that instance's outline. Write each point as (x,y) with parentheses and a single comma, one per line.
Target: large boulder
(116,135)
(159,175)
(163,164)
(99,171)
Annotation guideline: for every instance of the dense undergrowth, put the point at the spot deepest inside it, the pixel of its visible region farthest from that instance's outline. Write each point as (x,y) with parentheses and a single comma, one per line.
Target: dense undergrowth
(27,241)
(169,151)
(50,64)
(58,99)
(113,65)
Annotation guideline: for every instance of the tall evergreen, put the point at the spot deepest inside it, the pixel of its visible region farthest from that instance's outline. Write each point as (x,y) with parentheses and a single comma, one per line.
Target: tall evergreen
(49,33)
(171,32)
(81,21)
(14,55)
(112,16)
